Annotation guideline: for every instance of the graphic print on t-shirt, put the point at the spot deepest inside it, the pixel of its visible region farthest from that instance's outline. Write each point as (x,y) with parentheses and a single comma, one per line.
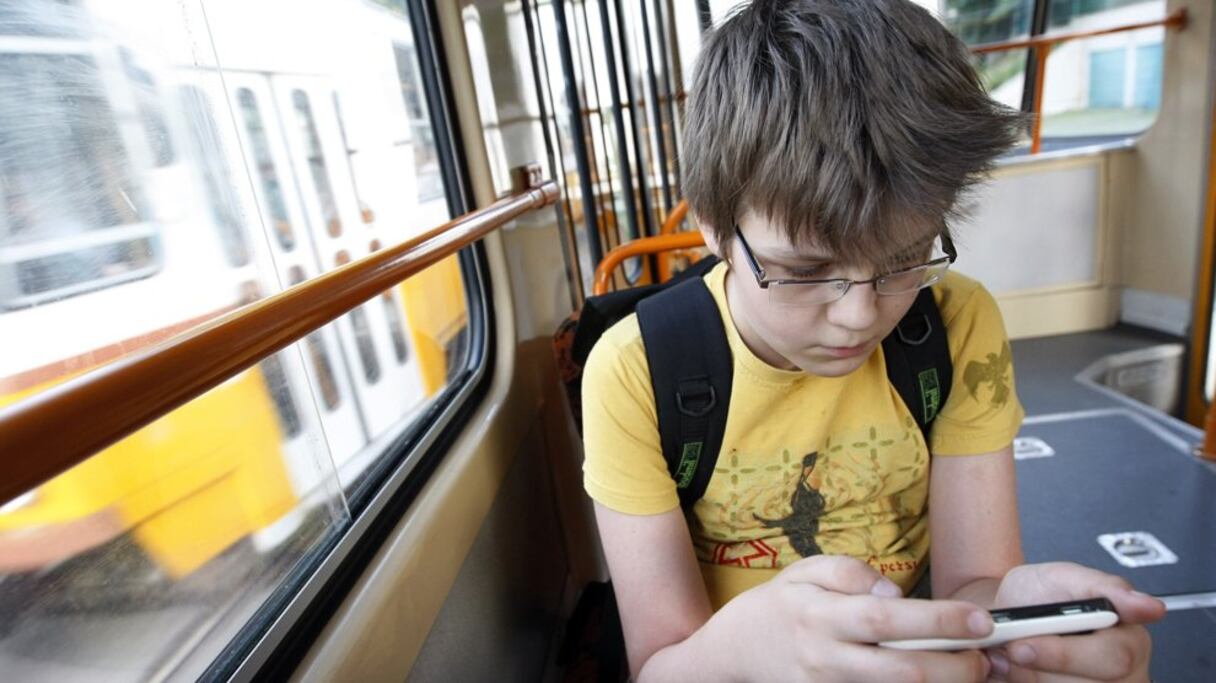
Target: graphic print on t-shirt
(859,495)
(802,523)
(995,371)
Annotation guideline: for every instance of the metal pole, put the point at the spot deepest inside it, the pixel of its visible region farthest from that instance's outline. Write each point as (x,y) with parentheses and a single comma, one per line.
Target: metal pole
(656,106)
(661,29)
(704,15)
(574,274)
(578,133)
(618,120)
(639,158)
(601,200)
(1038,26)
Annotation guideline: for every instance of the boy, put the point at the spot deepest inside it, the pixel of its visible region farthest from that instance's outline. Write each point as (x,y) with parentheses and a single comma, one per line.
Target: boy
(830,140)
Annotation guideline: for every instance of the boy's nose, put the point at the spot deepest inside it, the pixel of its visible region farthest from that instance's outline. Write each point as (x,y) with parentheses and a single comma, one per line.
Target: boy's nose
(857,309)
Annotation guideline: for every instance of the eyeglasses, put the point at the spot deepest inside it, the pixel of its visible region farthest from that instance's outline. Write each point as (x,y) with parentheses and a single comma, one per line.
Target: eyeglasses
(810,292)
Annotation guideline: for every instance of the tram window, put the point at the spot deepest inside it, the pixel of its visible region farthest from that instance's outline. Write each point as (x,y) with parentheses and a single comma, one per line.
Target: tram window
(363,334)
(199,531)
(318,355)
(276,377)
(392,312)
(367,348)
(426,154)
(365,212)
(993,21)
(396,326)
(74,217)
(280,392)
(316,162)
(216,175)
(83,269)
(1104,87)
(268,175)
(151,110)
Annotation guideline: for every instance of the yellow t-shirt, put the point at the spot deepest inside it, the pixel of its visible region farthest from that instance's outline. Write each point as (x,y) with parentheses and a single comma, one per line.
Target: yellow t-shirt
(808,464)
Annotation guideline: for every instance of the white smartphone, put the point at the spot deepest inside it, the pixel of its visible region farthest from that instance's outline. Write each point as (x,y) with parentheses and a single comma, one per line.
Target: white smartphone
(1058,618)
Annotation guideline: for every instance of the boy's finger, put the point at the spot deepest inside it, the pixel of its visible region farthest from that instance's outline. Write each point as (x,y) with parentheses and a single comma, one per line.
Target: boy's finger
(876,664)
(841,574)
(874,620)
(1107,655)
(1081,583)
(1135,607)
(1019,675)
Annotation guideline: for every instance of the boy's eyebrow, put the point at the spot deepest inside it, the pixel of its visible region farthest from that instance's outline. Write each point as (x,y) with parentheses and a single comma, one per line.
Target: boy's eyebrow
(797,255)
(794,254)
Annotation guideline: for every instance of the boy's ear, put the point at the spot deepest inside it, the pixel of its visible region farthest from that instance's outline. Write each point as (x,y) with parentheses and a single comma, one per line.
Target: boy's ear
(711,240)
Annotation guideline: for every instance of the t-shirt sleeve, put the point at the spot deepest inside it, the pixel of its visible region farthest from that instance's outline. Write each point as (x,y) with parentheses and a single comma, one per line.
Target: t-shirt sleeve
(982,413)
(623,467)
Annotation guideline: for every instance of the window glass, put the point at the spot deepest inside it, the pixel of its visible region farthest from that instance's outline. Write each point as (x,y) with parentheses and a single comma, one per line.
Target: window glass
(322,367)
(1103,87)
(151,113)
(392,312)
(267,172)
(978,22)
(316,163)
(145,190)
(368,359)
(215,173)
(426,154)
(75,219)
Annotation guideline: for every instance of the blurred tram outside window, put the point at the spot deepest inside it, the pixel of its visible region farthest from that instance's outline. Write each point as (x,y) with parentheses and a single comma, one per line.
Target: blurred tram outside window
(145,190)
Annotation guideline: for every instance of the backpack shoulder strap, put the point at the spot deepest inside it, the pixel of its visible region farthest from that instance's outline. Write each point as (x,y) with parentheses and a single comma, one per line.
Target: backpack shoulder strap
(918,360)
(691,373)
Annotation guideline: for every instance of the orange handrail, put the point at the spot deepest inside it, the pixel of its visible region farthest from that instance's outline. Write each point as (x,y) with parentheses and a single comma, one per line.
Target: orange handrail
(1042,46)
(642,247)
(61,427)
(674,218)
(1175,20)
(663,262)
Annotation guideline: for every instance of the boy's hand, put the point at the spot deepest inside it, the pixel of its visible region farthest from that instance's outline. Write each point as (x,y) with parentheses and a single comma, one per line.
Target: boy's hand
(818,620)
(1120,653)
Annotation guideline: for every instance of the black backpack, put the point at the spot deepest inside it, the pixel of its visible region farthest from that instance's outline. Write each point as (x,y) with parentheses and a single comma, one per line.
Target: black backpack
(691,368)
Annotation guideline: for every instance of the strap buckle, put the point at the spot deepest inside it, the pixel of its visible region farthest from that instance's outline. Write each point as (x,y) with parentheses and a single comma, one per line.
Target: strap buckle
(908,337)
(696,398)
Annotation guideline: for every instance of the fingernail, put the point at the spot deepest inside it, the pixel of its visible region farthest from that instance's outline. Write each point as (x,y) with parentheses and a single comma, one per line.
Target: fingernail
(1000,665)
(979,623)
(885,588)
(1022,654)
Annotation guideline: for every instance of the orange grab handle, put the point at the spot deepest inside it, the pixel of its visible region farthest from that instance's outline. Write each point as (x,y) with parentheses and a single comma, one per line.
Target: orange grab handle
(642,247)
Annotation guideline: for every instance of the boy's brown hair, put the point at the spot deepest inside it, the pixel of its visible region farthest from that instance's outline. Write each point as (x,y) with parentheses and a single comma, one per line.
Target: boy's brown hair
(852,124)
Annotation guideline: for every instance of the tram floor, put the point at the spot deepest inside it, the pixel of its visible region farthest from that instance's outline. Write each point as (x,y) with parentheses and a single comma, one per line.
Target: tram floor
(1108,482)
